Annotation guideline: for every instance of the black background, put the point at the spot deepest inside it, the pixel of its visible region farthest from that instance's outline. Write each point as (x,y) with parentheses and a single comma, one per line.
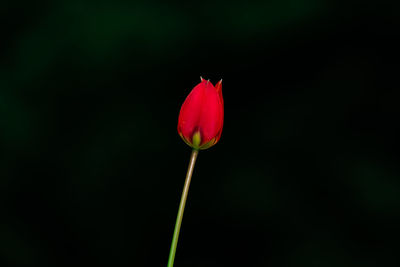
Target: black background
(306,172)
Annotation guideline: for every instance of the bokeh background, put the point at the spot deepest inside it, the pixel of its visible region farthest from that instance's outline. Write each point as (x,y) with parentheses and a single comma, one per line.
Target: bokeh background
(91,168)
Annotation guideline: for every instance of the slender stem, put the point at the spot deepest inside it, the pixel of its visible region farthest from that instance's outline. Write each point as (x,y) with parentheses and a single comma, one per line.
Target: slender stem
(179,217)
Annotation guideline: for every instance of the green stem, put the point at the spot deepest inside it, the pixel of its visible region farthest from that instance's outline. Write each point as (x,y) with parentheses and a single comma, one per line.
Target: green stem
(179,217)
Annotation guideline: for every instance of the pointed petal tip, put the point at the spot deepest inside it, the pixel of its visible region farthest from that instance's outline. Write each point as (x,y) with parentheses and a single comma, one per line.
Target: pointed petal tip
(218,86)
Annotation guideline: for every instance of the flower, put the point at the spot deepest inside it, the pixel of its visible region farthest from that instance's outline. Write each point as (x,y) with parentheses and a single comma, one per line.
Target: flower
(202,115)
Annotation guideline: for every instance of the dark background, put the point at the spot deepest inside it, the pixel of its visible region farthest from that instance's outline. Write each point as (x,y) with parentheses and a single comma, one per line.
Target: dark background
(91,168)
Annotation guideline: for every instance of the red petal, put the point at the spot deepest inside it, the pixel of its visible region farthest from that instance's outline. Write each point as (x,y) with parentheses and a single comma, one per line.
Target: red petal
(211,118)
(190,111)
(218,87)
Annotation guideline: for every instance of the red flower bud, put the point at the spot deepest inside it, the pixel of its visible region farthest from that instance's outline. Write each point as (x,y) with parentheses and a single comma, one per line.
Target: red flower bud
(202,115)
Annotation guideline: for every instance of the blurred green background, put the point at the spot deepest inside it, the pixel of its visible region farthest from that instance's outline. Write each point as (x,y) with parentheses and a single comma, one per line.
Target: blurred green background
(307,170)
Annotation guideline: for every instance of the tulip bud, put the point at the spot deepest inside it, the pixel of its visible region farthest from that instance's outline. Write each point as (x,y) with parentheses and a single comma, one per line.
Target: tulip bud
(202,115)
